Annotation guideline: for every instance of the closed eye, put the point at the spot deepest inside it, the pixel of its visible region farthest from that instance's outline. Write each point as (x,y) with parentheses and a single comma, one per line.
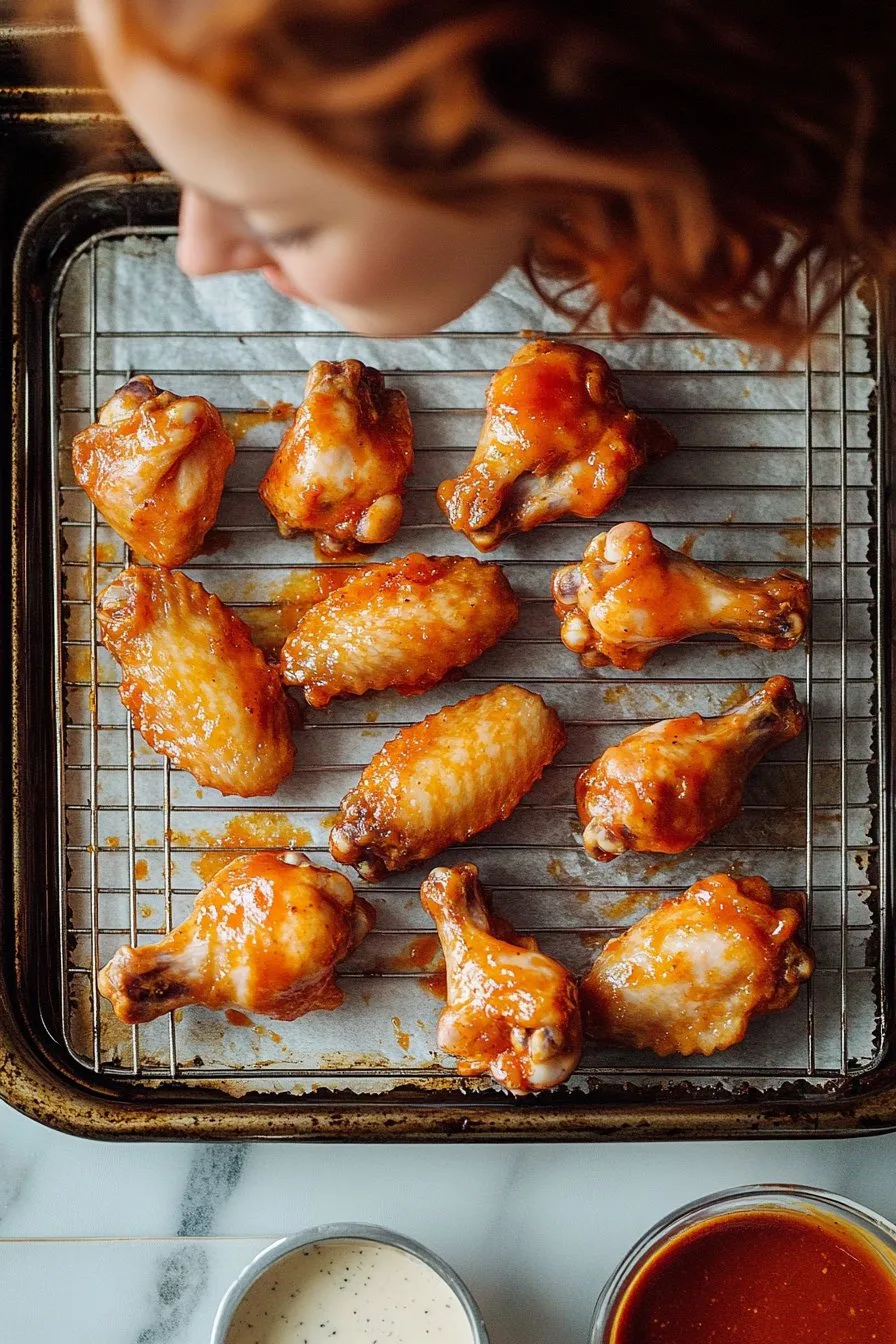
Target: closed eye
(298,237)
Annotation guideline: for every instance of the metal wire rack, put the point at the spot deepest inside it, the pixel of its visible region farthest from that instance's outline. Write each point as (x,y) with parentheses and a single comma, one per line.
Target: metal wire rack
(778,465)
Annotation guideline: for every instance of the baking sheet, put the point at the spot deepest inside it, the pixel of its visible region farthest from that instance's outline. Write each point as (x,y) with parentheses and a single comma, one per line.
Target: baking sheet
(139,838)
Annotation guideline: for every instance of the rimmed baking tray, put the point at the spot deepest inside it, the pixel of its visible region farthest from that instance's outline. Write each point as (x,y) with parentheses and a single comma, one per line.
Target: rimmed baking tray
(777,466)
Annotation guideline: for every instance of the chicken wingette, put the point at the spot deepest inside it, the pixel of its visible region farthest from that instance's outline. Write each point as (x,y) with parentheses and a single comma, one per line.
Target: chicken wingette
(199,690)
(405,625)
(445,779)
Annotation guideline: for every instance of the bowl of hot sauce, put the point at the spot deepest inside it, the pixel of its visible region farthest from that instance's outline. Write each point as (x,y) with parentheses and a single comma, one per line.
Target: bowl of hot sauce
(767,1264)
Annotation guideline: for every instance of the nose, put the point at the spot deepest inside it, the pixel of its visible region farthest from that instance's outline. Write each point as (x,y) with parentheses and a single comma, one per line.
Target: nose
(214,238)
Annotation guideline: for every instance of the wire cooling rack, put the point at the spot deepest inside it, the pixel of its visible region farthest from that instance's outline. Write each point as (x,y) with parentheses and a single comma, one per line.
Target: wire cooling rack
(777,466)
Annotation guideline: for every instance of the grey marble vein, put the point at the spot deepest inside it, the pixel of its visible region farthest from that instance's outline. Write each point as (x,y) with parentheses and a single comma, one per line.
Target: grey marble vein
(182,1278)
(180,1285)
(14,1183)
(212,1177)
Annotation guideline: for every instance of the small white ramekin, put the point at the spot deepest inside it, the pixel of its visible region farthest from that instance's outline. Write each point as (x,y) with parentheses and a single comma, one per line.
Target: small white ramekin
(344,1232)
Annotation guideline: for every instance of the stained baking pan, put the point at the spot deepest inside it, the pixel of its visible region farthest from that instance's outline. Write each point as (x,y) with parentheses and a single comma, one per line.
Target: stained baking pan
(109,844)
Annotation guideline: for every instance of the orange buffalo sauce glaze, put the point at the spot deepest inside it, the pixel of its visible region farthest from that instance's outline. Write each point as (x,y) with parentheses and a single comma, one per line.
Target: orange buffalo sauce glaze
(766,1277)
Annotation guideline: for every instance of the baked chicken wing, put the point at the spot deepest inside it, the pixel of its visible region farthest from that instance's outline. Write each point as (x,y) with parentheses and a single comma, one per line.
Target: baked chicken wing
(512,1012)
(405,624)
(444,779)
(667,787)
(687,978)
(265,936)
(557,439)
(341,466)
(630,595)
(199,690)
(154,465)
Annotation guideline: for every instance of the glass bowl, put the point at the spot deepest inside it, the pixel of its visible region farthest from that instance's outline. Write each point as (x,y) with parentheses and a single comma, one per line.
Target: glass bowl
(877,1232)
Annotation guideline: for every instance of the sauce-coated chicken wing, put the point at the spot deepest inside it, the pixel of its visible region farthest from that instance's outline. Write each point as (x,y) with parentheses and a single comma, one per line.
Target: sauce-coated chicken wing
(265,936)
(200,691)
(444,779)
(630,595)
(512,1012)
(341,466)
(557,439)
(154,465)
(405,624)
(687,978)
(667,787)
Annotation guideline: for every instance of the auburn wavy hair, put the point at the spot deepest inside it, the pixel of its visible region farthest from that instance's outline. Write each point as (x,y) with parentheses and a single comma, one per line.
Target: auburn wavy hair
(716,143)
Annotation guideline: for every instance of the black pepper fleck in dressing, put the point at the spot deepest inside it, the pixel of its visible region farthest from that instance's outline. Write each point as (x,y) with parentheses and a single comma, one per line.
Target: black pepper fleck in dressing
(318,1292)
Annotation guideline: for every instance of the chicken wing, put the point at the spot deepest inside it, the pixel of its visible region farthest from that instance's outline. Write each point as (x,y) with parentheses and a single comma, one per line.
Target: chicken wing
(557,439)
(154,465)
(200,691)
(667,787)
(444,779)
(512,1012)
(630,596)
(687,978)
(405,624)
(265,936)
(341,466)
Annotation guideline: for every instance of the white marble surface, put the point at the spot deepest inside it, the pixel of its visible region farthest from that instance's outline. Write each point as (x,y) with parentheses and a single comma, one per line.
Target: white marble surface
(534,1230)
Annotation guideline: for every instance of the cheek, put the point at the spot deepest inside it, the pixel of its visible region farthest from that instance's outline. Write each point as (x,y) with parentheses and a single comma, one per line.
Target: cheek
(349,271)
(399,278)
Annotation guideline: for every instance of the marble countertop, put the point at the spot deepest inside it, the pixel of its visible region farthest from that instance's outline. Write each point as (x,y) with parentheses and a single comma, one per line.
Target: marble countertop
(534,1230)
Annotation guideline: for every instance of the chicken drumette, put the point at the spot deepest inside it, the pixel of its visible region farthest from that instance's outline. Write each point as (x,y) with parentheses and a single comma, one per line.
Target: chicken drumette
(341,466)
(154,465)
(688,977)
(200,691)
(630,595)
(665,788)
(404,624)
(444,779)
(265,935)
(512,1012)
(557,439)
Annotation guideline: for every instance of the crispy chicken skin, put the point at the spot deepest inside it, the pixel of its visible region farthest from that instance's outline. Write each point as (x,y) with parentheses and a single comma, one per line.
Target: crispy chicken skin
(265,936)
(341,466)
(630,595)
(154,465)
(512,1012)
(404,625)
(665,788)
(444,779)
(687,978)
(557,439)
(200,691)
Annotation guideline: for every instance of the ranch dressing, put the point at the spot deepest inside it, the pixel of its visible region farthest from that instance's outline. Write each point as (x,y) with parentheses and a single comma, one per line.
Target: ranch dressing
(350,1292)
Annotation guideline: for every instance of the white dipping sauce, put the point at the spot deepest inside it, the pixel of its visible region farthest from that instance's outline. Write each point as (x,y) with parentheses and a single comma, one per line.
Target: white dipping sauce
(354,1292)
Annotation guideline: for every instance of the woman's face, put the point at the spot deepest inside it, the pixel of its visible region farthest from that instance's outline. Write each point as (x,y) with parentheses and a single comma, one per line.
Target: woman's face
(256,196)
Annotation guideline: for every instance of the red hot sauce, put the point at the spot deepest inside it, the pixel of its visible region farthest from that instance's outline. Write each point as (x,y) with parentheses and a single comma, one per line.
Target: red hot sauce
(765,1277)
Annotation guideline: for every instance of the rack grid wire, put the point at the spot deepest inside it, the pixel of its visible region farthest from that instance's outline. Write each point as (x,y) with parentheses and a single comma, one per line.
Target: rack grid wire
(777,465)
